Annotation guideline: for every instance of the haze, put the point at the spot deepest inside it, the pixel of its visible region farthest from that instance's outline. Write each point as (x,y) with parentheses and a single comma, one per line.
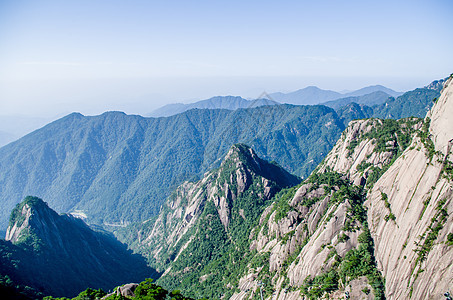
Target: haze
(91,56)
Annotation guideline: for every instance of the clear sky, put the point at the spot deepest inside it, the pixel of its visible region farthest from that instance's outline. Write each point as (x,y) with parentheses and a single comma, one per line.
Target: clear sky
(97,55)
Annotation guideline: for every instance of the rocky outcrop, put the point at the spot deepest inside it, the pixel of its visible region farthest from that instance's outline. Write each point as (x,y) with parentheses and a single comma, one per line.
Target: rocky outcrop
(165,238)
(356,153)
(413,250)
(126,290)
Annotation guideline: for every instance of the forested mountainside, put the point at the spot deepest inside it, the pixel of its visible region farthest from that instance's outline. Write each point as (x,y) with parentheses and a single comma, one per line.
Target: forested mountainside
(373,220)
(117,168)
(60,255)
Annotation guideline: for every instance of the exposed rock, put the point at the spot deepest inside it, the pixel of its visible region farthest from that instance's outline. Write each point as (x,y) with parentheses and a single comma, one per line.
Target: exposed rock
(417,192)
(181,212)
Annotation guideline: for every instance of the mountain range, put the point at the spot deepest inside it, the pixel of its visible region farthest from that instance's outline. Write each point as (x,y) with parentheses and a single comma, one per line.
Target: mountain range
(114,169)
(219,102)
(372,220)
(313,95)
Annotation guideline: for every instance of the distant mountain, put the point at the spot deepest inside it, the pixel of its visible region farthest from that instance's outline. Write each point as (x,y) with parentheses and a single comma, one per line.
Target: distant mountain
(60,255)
(308,96)
(414,103)
(373,98)
(313,95)
(219,102)
(373,89)
(117,168)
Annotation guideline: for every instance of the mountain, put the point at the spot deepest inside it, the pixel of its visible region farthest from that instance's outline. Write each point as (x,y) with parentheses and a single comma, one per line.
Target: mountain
(43,248)
(414,103)
(207,223)
(373,89)
(117,168)
(373,221)
(313,95)
(370,99)
(219,102)
(307,96)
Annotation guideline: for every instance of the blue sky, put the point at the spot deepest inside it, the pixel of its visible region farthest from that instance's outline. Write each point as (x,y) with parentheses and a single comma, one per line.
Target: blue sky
(91,56)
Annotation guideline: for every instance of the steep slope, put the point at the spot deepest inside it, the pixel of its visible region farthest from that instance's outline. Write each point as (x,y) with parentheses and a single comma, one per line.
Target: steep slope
(116,168)
(42,248)
(206,224)
(219,102)
(319,238)
(315,239)
(415,250)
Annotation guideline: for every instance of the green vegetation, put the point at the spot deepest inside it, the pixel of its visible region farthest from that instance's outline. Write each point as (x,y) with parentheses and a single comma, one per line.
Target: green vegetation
(414,103)
(450,239)
(119,168)
(101,262)
(424,136)
(390,216)
(389,136)
(219,253)
(282,207)
(146,290)
(356,263)
(427,239)
(426,242)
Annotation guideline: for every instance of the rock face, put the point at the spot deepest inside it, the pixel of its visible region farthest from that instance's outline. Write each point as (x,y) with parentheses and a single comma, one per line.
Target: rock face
(414,251)
(46,247)
(212,214)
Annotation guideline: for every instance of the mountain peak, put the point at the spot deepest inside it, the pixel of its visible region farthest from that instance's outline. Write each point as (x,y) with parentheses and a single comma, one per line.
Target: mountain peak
(242,152)
(242,156)
(23,218)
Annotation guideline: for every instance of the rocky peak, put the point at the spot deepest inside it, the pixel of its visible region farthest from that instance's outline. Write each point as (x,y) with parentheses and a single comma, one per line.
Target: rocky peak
(369,146)
(436,84)
(242,182)
(27,217)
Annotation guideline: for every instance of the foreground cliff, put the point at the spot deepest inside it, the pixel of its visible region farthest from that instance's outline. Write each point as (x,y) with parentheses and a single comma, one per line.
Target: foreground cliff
(60,255)
(414,249)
